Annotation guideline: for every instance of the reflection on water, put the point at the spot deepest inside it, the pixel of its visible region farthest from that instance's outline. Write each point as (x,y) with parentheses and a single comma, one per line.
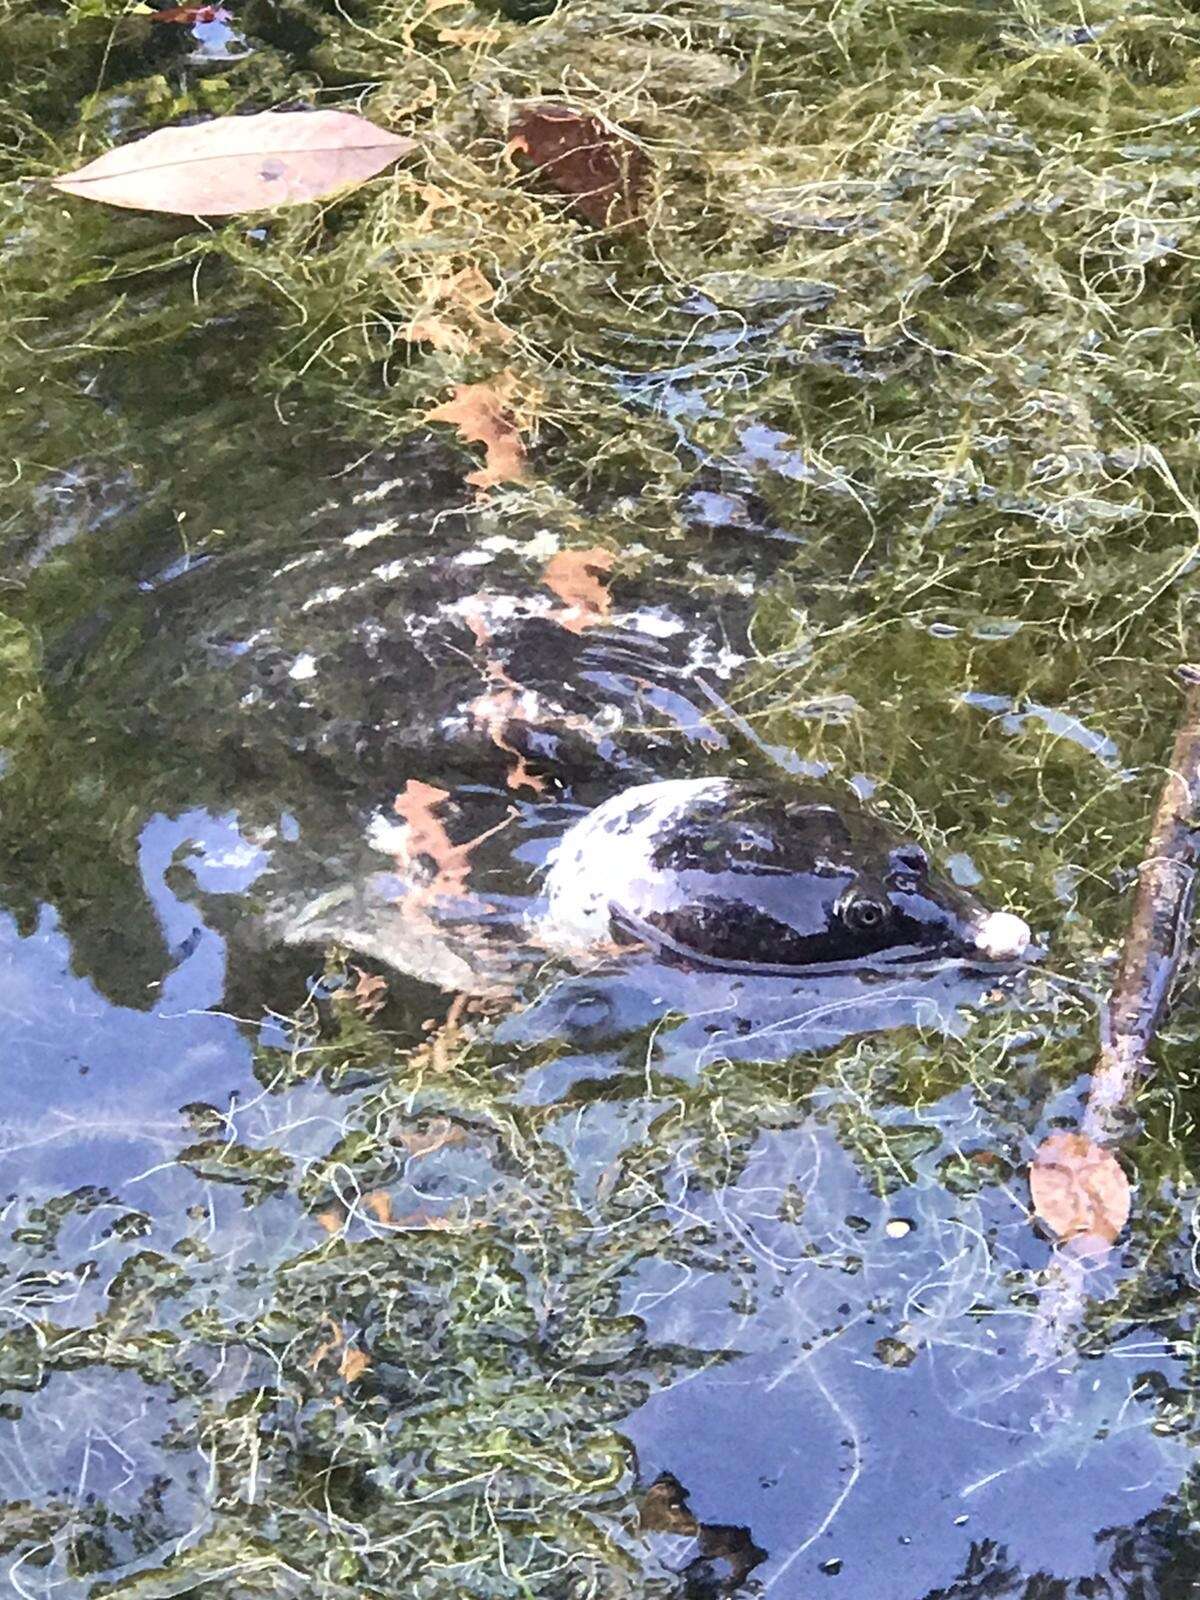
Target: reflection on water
(731,1271)
(796,1308)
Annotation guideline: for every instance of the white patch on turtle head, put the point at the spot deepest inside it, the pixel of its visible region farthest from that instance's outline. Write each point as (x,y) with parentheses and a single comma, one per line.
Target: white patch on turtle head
(1001,936)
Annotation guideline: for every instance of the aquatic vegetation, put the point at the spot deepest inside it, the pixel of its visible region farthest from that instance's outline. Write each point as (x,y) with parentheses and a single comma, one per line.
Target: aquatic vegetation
(880,402)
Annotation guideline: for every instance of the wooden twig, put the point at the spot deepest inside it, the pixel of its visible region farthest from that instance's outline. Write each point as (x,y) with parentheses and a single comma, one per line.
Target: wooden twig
(1157,940)
(1155,946)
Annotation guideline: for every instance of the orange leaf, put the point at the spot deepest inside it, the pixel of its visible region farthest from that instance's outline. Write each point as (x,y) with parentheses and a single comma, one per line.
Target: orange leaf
(353,1364)
(379,1203)
(234,164)
(496,711)
(1079,1191)
(480,413)
(426,838)
(191,14)
(369,994)
(455,314)
(423,1142)
(574,576)
(328,1346)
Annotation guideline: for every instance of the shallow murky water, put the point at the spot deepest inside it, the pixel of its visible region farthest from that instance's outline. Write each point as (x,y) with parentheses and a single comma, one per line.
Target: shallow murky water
(354,1243)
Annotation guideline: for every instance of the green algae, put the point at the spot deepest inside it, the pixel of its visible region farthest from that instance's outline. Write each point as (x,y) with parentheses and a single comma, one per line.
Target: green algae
(916,283)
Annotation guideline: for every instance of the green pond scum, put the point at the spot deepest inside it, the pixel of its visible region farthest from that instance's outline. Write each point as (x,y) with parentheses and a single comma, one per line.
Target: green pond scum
(566,1290)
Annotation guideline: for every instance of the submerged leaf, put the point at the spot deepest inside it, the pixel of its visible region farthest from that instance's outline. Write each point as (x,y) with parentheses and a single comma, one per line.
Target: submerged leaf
(235,164)
(192,14)
(605,174)
(353,1364)
(1079,1191)
(480,413)
(576,577)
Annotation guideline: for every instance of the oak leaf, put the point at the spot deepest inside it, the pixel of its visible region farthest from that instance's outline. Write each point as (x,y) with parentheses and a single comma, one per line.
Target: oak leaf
(480,412)
(369,994)
(426,844)
(455,314)
(575,576)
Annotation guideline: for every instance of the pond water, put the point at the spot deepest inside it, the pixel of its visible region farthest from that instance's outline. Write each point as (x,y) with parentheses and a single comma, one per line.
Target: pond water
(354,1244)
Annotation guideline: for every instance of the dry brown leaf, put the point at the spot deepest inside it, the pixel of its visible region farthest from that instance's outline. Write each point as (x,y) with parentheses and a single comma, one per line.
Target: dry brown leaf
(424,1141)
(328,1346)
(426,835)
(605,174)
(379,1203)
(427,1222)
(444,1037)
(467,37)
(480,412)
(575,577)
(333,1220)
(353,1364)
(469,287)
(499,707)
(426,838)
(1079,1191)
(369,993)
(478,624)
(496,711)
(456,315)
(441,335)
(235,164)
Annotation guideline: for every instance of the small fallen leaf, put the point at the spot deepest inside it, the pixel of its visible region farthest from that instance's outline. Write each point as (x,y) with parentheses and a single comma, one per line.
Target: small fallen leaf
(235,164)
(1079,1191)
(441,335)
(425,840)
(575,577)
(192,14)
(456,313)
(495,712)
(467,37)
(327,1346)
(426,1222)
(369,994)
(425,1141)
(353,1364)
(379,1204)
(480,412)
(605,175)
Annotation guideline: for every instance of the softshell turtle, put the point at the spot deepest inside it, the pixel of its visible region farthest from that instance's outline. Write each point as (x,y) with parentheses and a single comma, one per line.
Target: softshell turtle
(734,875)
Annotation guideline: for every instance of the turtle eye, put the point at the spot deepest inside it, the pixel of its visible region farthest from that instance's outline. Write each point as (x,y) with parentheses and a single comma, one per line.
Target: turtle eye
(864,914)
